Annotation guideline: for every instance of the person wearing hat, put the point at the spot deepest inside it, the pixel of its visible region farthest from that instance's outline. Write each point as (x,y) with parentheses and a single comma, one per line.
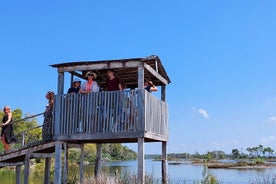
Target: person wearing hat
(76,86)
(91,85)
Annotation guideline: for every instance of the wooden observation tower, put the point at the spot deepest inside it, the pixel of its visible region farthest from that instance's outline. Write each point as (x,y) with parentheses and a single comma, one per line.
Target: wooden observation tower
(129,116)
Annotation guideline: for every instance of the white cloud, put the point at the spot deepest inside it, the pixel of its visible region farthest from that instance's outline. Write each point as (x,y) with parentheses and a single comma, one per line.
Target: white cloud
(204,113)
(272,119)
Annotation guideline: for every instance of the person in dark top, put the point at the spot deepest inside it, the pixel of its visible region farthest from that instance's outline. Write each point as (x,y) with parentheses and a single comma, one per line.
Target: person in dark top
(47,132)
(7,135)
(76,86)
(149,86)
(112,83)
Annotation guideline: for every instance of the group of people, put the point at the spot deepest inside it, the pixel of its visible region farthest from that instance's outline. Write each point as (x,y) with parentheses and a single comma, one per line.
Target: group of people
(112,84)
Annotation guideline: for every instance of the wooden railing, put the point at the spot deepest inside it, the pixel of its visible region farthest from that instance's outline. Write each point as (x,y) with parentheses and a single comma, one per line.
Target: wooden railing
(110,112)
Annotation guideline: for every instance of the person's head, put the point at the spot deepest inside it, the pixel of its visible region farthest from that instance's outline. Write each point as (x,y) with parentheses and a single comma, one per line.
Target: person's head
(76,82)
(7,109)
(91,75)
(50,95)
(110,73)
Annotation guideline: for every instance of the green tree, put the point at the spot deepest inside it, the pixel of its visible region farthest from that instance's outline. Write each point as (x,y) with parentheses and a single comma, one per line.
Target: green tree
(235,153)
(268,150)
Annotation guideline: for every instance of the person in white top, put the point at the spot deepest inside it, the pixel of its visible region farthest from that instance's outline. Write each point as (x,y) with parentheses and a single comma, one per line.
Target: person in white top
(91,85)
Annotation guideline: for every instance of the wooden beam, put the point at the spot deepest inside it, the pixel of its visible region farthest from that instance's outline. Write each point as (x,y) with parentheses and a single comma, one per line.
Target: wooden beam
(5,164)
(100,66)
(155,73)
(39,155)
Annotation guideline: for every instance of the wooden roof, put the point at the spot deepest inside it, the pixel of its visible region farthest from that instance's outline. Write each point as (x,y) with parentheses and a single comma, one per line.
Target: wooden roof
(125,69)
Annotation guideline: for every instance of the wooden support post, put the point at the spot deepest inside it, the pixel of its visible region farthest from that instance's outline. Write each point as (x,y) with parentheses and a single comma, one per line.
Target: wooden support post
(98,163)
(82,164)
(163,93)
(141,72)
(18,174)
(58,164)
(141,161)
(164,162)
(47,170)
(26,168)
(65,168)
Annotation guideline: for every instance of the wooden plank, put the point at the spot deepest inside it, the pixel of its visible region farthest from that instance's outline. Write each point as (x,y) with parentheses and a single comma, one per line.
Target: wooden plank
(141,161)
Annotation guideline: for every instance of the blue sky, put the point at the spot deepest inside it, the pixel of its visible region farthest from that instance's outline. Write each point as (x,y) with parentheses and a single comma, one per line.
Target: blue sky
(219,55)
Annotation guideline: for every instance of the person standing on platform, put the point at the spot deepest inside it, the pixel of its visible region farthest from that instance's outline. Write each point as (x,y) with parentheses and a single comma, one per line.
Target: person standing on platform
(91,85)
(113,83)
(7,135)
(76,86)
(47,130)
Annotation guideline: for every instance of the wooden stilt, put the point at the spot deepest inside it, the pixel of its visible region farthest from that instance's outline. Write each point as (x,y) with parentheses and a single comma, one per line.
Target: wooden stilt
(47,170)
(65,167)
(164,162)
(141,161)
(98,163)
(18,174)
(82,164)
(26,168)
(58,166)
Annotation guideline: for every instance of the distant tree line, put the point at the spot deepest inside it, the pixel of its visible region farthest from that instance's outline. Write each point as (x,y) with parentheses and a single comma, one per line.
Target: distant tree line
(251,153)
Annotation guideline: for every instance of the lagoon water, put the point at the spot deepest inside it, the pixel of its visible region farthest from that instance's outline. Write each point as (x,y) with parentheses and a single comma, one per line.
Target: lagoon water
(188,173)
(180,173)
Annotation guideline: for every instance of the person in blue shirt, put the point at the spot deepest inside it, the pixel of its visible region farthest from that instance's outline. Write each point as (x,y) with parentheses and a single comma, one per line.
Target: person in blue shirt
(76,86)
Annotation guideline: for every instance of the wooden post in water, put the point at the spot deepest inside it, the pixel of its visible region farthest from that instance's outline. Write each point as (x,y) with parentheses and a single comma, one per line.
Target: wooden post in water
(164,162)
(141,161)
(164,144)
